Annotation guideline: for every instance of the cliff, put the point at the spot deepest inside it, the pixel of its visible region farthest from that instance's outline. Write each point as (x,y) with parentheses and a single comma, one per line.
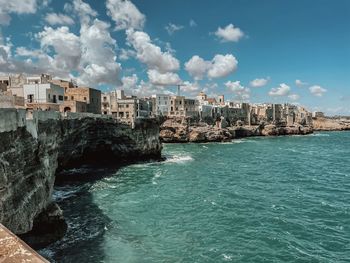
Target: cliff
(331,124)
(33,149)
(182,130)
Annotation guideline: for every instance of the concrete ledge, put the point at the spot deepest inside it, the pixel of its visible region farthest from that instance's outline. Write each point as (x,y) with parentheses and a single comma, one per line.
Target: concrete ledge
(13,249)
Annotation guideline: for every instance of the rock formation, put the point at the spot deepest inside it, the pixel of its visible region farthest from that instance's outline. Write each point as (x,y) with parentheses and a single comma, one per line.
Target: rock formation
(331,124)
(180,131)
(32,150)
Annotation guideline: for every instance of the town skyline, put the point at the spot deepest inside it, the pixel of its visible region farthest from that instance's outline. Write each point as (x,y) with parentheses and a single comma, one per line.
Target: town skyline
(294,54)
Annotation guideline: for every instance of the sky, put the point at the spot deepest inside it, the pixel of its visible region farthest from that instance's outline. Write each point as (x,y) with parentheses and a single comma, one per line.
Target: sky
(290,51)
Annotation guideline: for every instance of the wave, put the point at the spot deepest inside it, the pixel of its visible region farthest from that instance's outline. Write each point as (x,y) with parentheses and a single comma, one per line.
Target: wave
(62,193)
(178,159)
(319,134)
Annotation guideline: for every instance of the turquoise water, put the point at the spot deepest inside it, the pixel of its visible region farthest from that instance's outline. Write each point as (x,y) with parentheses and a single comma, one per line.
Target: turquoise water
(281,199)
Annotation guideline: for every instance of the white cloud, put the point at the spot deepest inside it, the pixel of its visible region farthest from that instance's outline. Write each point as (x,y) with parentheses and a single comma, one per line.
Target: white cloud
(163,79)
(150,54)
(172,28)
(230,33)
(125,14)
(161,65)
(98,61)
(282,90)
(66,46)
(89,55)
(222,66)
(125,54)
(130,82)
(241,92)
(317,90)
(299,83)
(193,23)
(15,6)
(257,83)
(294,97)
(58,19)
(219,66)
(197,67)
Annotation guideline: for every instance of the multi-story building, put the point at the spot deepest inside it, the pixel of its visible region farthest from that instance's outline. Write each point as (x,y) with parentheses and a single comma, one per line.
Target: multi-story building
(182,107)
(161,103)
(90,96)
(45,96)
(131,108)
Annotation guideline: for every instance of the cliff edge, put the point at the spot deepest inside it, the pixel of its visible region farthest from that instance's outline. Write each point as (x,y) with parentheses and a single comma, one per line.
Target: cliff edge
(33,148)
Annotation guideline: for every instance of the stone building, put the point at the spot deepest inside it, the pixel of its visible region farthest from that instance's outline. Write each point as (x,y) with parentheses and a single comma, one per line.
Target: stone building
(182,107)
(129,109)
(90,96)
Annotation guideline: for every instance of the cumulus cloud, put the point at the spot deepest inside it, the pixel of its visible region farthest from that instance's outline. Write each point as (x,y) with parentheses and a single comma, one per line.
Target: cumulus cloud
(317,91)
(66,46)
(130,82)
(257,83)
(197,67)
(172,28)
(300,83)
(163,79)
(125,14)
(230,33)
(161,65)
(58,19)
(98,61)
(241,92)
(150,54)
(282,90)
(17,7)
(222,66)
(89,56)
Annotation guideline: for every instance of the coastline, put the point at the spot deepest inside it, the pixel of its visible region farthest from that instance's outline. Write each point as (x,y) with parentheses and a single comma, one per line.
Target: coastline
(177,131)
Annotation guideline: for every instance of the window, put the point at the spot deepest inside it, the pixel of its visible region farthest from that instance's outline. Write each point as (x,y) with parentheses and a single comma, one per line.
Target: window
(72,97)
(60,97)
(49,95)
(65,98)
(127,105)
(85,98)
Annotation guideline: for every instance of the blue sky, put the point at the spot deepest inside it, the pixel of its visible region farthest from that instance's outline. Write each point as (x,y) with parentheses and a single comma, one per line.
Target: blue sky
(106,43)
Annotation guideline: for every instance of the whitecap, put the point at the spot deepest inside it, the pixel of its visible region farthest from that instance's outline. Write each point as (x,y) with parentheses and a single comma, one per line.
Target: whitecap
(320,134)
(227,257)
(178,159)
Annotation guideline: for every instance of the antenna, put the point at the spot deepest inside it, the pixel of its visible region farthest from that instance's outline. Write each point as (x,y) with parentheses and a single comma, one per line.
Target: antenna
(178,88)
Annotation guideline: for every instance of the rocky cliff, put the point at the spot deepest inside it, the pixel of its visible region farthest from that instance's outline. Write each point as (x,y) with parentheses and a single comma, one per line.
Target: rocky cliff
(182,130)
(331,124)
(31,150)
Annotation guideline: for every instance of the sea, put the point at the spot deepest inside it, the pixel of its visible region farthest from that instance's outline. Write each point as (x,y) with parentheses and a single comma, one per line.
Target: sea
(262,199)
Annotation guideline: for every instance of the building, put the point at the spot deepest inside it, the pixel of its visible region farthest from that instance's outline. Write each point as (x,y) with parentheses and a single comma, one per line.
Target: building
(182,107)
(129,109)
(161,103)
(44,96)
(92,98)
(38,79)
(221,99)
(318,114)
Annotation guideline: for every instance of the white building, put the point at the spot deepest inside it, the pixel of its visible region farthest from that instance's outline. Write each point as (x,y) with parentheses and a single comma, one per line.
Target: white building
(44,96)
(161,104)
